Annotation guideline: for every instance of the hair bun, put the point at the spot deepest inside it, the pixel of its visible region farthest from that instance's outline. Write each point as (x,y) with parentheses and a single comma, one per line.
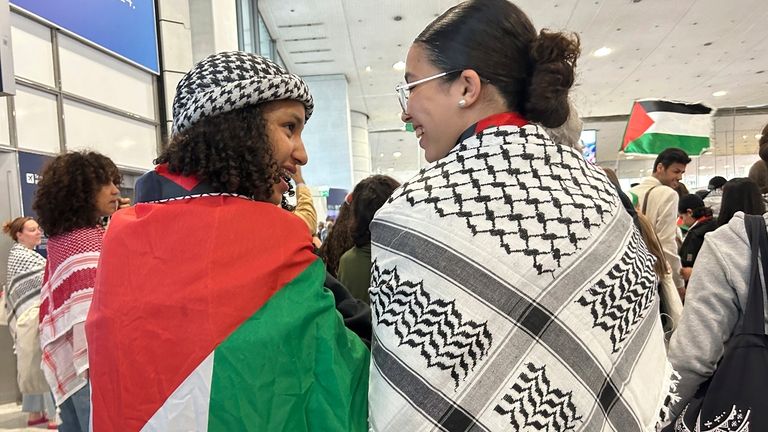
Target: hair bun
(553,58)
(7,227)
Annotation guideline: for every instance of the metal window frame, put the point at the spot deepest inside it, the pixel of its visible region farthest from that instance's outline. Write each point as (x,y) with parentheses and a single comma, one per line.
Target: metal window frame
(241,37)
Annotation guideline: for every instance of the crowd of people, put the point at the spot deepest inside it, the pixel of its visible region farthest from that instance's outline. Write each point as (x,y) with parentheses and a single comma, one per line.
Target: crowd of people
(509,285)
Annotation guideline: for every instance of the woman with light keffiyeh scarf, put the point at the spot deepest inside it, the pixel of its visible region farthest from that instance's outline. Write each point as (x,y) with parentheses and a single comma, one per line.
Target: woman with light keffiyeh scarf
(22,306)
(510,289)
(75,192)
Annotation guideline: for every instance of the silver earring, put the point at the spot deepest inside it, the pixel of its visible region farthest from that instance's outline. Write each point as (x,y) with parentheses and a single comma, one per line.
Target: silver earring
(462,103)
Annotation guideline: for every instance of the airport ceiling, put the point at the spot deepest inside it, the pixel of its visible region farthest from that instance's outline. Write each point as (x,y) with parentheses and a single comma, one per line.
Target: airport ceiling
(713,51)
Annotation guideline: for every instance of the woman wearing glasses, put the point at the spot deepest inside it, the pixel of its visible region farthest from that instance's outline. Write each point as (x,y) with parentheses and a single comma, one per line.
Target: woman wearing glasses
(510,289)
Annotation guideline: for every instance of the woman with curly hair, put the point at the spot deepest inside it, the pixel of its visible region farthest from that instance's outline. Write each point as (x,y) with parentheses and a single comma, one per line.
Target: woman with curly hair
(210,298)
(510,289)
(22,304)
(76,190)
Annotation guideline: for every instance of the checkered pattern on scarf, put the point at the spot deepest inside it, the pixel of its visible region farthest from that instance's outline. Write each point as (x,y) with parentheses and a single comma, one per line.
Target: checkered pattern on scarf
(231,80)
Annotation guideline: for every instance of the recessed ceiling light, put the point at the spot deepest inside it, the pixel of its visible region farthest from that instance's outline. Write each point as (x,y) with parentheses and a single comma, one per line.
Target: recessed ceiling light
(744,137)
(368,69)
(630,157)
(390,169)
(397,154)
(719,93)
(399,66)
(381,155)
(602,52)
(758,136)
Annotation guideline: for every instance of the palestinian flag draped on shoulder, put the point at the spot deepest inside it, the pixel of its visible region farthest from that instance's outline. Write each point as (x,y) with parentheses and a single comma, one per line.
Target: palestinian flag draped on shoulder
(209,314)
(655,125)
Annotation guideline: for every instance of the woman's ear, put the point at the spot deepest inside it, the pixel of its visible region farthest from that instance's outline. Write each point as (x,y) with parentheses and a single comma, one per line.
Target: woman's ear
(469,83)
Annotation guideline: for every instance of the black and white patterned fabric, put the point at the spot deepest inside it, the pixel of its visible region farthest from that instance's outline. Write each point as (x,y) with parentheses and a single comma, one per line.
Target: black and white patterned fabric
(511,291)
(24,282)
(230,80)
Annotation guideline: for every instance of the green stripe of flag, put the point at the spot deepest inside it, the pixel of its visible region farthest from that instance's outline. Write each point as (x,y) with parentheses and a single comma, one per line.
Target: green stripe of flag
(299,364)
(655,143)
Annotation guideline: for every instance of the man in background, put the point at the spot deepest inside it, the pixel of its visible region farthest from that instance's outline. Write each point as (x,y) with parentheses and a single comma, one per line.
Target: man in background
(658,201)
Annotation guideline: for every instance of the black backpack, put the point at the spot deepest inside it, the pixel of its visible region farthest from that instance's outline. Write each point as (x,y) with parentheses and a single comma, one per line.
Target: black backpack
(734,398)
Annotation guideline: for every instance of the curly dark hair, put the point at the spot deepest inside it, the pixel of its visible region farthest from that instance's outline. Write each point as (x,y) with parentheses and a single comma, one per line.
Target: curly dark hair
(66,195)
(230,151)
(368,197)
(339,240)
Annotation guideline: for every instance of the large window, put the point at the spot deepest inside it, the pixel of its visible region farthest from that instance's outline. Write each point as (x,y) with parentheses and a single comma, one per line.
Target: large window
(252,33)
(266,44)
(247,36)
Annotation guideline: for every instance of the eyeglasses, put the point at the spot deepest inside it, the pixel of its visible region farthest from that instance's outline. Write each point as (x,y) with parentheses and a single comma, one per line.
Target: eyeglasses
(404,89)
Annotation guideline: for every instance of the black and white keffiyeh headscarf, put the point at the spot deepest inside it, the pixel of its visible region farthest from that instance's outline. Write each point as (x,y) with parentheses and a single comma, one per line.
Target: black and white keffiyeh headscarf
(24,281)
(231,80)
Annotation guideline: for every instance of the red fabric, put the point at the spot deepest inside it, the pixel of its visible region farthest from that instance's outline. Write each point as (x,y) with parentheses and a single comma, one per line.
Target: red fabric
(639,122)
(503,119)
(174,281)
(70,276)
(187,182)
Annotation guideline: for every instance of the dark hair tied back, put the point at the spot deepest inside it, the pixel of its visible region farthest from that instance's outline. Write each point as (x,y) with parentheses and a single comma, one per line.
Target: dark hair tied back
(553,58)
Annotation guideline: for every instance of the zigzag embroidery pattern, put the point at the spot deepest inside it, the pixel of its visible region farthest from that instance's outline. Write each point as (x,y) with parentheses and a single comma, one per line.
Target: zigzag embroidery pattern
(621,298)
(532,191)
(533,405)
(431,325)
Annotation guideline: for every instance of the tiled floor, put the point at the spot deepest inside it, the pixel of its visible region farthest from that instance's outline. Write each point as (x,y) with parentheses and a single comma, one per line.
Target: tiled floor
(12,419)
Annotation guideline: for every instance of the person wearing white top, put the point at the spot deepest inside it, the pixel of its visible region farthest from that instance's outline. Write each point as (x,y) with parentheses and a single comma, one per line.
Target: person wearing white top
(661,206)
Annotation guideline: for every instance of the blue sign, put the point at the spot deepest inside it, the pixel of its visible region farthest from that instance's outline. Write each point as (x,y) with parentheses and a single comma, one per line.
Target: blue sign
(30,167)
(125,27)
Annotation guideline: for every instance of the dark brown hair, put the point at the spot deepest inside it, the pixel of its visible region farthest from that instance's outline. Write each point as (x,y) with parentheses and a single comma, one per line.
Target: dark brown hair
(368,197)
(14,227)
(740,195)
(763,143)
(230,151)
(498,41)
(66,195)
(339,240)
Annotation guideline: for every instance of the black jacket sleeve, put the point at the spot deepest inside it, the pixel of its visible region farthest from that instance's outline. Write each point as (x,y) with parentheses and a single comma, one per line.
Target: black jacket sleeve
(690,248)
(356,314)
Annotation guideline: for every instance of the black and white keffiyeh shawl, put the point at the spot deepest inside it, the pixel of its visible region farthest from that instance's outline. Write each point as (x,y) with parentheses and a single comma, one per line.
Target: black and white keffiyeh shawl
(512,292)
(24,281)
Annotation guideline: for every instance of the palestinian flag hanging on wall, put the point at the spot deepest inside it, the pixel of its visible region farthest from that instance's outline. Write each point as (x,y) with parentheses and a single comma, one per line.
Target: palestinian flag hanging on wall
(656,125)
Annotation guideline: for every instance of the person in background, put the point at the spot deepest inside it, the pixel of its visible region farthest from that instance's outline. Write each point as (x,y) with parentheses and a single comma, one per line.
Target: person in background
(681,189)
(715,194)
(758,172)
(338,240)
(305,207)
(209,296)
(355,264)
(718,291)
(329,221)
(699,220)
(740,195)
(657,199)
(22,302)
(75,192)
(671,305)
(494,267)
